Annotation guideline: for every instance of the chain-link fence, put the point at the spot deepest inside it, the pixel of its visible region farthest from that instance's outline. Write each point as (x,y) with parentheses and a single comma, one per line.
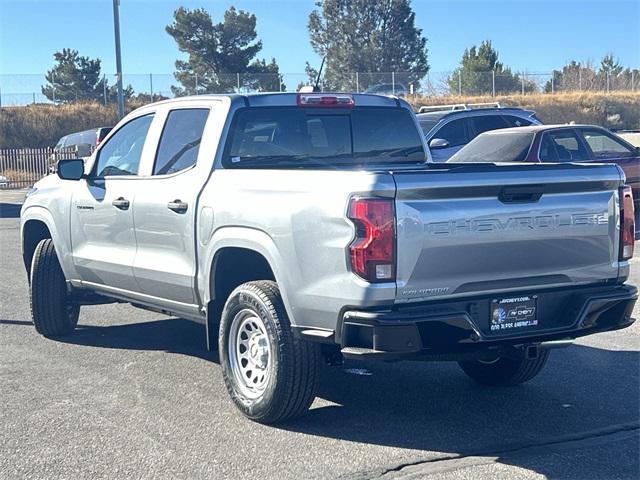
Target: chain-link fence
(143,88)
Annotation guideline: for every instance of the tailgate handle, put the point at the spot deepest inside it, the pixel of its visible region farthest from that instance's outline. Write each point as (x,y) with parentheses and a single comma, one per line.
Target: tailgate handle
(521,194)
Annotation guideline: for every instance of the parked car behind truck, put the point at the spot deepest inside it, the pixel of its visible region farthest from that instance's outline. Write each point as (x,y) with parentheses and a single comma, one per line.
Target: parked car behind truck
(448,128)
(300,226)
(557,143)
(83,142)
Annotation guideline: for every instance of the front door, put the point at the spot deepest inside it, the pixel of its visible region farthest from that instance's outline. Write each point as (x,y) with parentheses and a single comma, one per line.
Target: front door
(102,226)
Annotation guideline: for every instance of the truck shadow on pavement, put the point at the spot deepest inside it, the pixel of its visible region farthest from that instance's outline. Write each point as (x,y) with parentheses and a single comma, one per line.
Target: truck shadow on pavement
(586,396)
(10,210)
(173,335)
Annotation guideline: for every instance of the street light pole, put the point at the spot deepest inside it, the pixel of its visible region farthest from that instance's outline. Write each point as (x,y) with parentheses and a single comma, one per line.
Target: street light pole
(116,31)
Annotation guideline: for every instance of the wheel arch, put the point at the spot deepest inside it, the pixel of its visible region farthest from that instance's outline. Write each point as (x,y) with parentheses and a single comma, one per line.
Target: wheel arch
(37,224)
(237,255)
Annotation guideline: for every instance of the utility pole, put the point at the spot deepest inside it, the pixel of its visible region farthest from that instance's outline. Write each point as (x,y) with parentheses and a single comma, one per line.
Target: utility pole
(116,31)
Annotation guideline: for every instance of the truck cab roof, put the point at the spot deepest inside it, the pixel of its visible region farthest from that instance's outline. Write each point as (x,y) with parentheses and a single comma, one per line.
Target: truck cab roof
(276,99)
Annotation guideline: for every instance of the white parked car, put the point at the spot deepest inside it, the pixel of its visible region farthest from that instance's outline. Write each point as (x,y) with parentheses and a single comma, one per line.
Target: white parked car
(4,181)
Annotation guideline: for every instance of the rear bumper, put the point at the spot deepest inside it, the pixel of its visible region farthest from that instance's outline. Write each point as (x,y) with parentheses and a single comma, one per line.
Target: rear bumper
(459,328)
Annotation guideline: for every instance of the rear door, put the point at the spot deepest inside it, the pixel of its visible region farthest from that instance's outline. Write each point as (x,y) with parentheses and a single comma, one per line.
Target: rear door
(475,229)
(166,206)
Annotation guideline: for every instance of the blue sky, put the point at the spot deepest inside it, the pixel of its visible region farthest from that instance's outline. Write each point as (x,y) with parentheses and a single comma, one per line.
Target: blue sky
(532,35)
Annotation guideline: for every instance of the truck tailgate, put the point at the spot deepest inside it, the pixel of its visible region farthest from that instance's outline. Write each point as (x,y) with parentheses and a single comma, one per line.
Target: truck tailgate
(479,229)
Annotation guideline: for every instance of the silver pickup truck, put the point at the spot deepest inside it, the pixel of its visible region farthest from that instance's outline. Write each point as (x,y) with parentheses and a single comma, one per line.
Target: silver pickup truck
(302,227)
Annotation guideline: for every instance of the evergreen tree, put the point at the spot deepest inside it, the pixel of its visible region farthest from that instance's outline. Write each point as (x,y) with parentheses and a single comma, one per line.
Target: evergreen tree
(367,36)
(217,53)
(478,66)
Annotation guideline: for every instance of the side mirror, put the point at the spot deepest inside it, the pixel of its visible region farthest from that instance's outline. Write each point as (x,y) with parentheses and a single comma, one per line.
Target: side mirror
(71,169)
(437,143)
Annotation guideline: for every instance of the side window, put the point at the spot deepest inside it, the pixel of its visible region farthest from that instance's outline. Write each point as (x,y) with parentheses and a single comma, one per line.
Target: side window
(121,154)
(454,132)
(514,121)
(604,146)
(180,140)
(488,122)
(567,146)
(547,149)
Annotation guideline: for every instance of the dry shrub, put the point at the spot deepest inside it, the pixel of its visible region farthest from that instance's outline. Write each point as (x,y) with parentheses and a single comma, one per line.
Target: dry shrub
(616,110)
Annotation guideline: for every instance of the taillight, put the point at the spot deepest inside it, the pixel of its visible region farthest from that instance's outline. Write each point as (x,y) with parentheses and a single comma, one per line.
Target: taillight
(372,252)
(325,100)
(627,223)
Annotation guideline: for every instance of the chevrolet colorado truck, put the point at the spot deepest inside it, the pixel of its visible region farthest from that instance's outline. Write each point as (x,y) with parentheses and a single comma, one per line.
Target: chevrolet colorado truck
(297,227)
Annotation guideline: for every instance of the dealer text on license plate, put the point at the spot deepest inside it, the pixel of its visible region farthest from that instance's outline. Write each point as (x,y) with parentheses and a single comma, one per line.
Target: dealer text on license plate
(513,313)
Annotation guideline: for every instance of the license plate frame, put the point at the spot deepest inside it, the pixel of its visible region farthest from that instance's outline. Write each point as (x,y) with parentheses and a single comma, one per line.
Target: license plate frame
(513,314)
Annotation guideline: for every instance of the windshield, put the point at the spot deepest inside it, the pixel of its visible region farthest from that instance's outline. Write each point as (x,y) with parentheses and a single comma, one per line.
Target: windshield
(290,137)
(491,148)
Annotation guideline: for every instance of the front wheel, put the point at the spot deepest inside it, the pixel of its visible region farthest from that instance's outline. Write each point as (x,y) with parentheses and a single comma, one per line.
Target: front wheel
(270,374)
(53,313)
(505,371)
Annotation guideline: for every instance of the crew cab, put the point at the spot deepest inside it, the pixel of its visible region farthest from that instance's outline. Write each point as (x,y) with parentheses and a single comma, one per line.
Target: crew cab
(302,227)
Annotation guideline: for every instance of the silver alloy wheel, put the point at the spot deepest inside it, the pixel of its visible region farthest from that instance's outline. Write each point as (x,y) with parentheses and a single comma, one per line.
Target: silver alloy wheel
(249,353)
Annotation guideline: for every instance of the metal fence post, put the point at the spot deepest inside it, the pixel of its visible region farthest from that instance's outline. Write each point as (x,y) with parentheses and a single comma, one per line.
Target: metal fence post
(357,83)
(493,83)
(238,81)
(459,83)
(151,85)
(393,83)
(552,84)
(608,80)
(34,97)
(522,79)
(196,84)
(0,98)
(580,78)
(279,83)
(104,89)
(632,78)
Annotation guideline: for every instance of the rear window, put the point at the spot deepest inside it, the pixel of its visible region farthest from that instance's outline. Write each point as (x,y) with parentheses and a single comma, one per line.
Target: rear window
(495,148)
(87,137)
(302,137)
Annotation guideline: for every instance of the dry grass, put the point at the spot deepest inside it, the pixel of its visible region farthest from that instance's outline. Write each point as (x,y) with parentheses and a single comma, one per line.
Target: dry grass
(618,110)
(42,125)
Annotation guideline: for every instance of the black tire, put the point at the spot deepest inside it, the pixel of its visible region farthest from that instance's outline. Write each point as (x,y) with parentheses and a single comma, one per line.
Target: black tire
(53,314)
(505,371)
(292,363)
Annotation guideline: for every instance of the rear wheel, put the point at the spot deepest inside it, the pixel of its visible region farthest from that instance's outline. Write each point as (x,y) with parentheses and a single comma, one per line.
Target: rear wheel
(269,373)
(52,311)
(505,371)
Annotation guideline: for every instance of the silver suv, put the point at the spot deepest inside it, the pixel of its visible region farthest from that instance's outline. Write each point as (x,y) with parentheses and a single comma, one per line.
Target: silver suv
(448,128)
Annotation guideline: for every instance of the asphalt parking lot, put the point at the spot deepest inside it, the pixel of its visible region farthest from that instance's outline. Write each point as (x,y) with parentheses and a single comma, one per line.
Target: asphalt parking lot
(134,394)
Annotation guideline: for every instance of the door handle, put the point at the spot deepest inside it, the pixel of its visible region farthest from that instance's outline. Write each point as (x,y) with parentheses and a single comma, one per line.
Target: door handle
(521,194)
(121,203)
(178,206)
